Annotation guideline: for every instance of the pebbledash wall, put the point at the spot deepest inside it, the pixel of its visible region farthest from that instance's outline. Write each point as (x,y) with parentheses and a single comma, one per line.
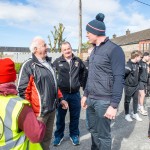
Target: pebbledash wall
(22,54)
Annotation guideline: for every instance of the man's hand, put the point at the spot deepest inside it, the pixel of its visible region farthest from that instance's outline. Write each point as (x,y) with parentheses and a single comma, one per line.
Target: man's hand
(110,113)
(64,104)
(83,102)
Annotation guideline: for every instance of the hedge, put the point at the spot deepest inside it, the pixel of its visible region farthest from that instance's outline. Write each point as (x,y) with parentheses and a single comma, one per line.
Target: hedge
(17,67)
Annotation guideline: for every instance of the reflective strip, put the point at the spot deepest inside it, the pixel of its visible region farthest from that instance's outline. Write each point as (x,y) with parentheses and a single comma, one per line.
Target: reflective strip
(126,67)
(8,123)
(13,144)
(20,74)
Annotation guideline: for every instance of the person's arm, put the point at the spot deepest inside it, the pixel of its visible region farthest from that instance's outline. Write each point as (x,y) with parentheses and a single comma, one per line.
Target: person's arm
(63,102)
(82,75)
(33,129)
(127,70)
(117,60)
(24,82)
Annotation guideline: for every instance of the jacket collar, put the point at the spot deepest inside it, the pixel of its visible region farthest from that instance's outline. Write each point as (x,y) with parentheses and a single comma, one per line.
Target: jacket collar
(48,59)
(106,39)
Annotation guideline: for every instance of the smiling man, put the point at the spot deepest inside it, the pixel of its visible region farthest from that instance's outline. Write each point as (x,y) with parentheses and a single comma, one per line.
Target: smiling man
(71,74)
(37,84)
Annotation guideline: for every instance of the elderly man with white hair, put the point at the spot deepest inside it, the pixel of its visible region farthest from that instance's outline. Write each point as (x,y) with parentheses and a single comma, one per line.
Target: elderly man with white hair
(37,84)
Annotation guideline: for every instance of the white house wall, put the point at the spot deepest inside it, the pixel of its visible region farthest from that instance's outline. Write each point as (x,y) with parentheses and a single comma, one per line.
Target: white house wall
(21,57)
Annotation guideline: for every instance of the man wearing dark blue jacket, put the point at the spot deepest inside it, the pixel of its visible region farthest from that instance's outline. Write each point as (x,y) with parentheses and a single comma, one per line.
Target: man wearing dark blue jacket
(104,85)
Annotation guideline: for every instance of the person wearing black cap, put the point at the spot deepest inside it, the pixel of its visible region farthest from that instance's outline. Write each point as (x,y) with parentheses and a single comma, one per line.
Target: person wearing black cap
(104,85)
(144,71)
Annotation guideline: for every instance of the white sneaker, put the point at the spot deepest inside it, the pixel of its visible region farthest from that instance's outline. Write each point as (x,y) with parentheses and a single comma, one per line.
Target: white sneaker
(143,112)
(136,117)
(128,118)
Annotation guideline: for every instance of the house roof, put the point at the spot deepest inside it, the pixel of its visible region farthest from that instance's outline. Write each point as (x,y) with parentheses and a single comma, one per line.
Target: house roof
(14,49)
(132,38)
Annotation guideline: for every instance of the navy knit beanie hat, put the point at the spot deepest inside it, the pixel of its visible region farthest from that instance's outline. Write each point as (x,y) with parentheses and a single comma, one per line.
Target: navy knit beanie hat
(97,26)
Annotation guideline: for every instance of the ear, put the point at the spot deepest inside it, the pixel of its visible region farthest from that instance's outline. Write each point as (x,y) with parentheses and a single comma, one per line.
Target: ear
(35,50)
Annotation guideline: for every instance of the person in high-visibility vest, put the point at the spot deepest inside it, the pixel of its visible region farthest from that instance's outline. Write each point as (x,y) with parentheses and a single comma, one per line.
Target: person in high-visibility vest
(19,127)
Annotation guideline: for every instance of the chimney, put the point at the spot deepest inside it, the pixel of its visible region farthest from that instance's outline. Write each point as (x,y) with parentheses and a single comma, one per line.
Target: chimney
(114,36)
(128,32)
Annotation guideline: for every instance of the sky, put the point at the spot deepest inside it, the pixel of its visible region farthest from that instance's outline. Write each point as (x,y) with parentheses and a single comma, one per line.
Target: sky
(22,20)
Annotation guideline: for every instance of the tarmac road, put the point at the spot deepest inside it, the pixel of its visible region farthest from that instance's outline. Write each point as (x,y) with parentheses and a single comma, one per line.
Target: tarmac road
(125,135)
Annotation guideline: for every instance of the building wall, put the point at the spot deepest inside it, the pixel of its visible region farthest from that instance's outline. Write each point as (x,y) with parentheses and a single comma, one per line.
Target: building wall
(144,45)
(128,49)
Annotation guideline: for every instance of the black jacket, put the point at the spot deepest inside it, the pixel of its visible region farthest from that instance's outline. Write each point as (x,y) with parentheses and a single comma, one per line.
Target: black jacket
(36,84)
(131,77)
(143,69)
(131,74)
(70,76)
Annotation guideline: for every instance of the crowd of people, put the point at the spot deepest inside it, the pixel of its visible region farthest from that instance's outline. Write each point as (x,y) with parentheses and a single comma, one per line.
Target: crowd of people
(46,89)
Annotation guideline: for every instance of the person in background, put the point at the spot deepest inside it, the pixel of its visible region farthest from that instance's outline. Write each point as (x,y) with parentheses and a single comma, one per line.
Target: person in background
(148,82)
(37,83)
(132,85)
(19,127)
(144,71)
(71,76)
(86,63)
(104,85)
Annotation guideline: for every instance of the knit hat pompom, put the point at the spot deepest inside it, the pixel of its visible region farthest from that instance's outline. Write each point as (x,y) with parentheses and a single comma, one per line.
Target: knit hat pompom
(100,17)
(97,26)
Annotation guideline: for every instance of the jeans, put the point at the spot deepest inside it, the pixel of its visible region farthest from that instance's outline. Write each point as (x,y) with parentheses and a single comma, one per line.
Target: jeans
(74,102)
(98,125)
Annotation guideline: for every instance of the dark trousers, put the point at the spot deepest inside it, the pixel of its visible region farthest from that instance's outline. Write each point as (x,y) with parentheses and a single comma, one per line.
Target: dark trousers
(98,125)
(74,102)
(127,102)
(49,121)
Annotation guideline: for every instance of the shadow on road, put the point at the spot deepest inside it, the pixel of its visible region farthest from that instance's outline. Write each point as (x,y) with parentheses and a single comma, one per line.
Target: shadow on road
(121,130)
(85,138)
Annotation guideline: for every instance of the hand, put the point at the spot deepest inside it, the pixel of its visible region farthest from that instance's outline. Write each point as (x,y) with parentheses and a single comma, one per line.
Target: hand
(40,119)
(64,104)
(110,113)
(83,102)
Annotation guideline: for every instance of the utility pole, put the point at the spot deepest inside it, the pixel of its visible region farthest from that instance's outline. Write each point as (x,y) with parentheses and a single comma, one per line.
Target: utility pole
(80,27)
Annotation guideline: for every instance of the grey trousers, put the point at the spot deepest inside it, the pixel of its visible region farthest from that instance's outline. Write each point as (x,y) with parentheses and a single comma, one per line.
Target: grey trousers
(49,121)
(98,125)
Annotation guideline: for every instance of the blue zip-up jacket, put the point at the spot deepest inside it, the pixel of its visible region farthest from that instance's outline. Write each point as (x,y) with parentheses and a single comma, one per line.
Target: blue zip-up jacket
(106,73)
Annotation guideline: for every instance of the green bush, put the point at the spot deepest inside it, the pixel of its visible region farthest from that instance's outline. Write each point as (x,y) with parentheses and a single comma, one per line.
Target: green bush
(17,67)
